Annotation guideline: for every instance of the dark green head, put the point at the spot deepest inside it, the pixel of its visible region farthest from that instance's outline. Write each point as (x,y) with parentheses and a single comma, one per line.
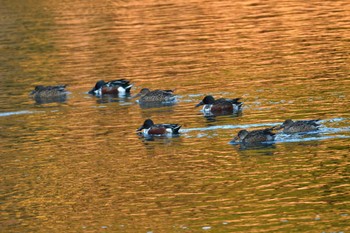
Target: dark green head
(146,125)
(207,100)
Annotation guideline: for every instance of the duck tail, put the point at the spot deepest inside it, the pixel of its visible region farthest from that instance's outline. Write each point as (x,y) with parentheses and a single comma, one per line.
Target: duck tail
(270,131)
(177,128)
(127,88)
(62,87)
(170,90)
(315,122)
(236,101)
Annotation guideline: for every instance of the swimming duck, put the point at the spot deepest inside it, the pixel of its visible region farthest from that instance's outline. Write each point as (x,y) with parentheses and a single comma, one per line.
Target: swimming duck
(49,91)
(255,136)
(290,126)
(155,96)
(48,94)
(149,128)
(119,87)
(222,105)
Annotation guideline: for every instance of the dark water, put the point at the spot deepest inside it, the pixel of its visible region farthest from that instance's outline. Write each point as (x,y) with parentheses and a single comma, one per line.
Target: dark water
(79,166)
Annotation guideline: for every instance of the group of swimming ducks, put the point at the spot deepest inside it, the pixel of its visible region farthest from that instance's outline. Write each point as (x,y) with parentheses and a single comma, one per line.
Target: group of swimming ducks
(222,106)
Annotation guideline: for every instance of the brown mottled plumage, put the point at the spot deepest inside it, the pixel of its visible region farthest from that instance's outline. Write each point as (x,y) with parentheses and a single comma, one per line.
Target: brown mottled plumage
(148,96)
(49,91)
(48,94)
(255,136)
(290,126)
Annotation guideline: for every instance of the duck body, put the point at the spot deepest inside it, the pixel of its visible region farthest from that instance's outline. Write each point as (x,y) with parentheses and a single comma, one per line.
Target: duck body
(148,96)
(49,91)
(48,94)
(289,126)
(149,128)
(120,87)
(220,106)
(255,136)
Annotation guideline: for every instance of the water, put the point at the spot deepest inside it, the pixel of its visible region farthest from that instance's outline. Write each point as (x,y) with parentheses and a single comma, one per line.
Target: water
(79,166)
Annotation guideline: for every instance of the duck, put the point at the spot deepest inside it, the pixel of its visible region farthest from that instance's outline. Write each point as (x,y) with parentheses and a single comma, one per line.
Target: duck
(48,94)
(255,136)
(149,128)
(48,91)
(120,87)
(220,106)
(155,96)
(290,126)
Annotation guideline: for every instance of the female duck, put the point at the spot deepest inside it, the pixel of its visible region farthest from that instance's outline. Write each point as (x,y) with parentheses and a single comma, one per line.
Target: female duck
(120,87)
(290,126)
(155,96)
(149,128)
(48,94)
(255,136)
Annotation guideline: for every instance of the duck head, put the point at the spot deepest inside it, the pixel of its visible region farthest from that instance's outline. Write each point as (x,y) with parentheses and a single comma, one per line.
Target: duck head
(142,92)
(241,135)
(36,89)
(146,125)
(287,123)
(98,86)
(207,100)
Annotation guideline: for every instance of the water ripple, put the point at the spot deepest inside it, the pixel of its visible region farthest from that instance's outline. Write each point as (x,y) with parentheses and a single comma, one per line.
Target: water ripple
(2,114)
(82,163)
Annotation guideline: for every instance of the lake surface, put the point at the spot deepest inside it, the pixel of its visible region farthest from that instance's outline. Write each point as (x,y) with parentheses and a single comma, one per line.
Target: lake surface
(79,166)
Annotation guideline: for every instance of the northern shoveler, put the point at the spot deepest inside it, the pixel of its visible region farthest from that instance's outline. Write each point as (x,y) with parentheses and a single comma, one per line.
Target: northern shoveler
(161,97)
(219,106)
(149,128)
(255,136)
(290,126)
(119,87)
(48,94)
(155,96)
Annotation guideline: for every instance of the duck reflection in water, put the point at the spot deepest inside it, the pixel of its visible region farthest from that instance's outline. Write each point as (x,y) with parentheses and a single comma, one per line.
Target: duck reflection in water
(222,106)
(161,145)
(150,112)
(215,117)
(113,99)
(49,94)
(159,139)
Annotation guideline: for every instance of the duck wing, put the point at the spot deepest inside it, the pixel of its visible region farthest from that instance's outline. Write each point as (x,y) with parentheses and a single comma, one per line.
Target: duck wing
(51,88)
(228,101)
(119,82)
(307,122)
(174,127)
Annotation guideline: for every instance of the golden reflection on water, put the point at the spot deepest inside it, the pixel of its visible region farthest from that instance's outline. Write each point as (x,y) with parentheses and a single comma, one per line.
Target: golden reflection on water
(79,165)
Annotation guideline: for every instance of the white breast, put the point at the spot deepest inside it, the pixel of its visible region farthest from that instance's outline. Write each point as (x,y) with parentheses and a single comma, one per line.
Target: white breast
(206,108)
(121,91)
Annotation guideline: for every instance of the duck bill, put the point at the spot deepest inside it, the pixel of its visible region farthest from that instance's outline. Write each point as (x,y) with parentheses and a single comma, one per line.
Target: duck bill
(139,129)
(92,91)
(199,104)
(235,138)
(277,127)
(135,96)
